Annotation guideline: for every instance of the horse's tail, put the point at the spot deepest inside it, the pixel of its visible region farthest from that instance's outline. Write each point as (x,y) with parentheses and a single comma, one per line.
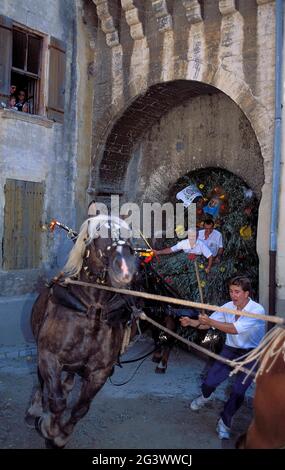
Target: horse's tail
(38,311)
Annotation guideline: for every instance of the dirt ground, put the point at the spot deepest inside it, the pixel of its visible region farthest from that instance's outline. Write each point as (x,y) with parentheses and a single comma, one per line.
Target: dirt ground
(151,411)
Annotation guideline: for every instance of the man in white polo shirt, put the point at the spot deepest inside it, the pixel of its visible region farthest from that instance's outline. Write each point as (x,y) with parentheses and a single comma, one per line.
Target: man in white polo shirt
(190,246)
(242,335)
(212,238)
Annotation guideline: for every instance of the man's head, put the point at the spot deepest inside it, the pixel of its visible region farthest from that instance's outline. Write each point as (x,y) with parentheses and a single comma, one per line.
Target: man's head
(22,95)
(192,236)
(240,290)
(13,89)
(208,226)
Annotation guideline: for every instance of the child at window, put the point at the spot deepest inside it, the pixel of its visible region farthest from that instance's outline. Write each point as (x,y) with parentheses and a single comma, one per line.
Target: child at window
(12,102)
(22,104)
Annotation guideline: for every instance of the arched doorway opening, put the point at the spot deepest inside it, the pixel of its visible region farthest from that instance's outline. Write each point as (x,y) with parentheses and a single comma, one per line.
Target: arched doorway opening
(233,206)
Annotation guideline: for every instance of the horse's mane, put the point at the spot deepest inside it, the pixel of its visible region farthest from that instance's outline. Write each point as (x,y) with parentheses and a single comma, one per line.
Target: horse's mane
(89,230)
(265,354)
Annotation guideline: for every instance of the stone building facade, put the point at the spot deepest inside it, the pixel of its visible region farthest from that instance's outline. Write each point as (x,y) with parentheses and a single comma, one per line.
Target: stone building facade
(182,85)
(154,89)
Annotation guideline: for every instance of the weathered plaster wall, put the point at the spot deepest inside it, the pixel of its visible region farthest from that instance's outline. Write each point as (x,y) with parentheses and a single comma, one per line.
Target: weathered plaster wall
(52,17)
(87,25)
(33,148)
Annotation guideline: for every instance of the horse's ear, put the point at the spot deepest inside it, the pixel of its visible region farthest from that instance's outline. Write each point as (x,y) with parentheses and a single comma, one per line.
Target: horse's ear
(92,209)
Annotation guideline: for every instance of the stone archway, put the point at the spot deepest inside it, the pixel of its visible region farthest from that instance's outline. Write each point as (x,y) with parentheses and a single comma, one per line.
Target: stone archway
(174,128)
(145,111)
(126,123)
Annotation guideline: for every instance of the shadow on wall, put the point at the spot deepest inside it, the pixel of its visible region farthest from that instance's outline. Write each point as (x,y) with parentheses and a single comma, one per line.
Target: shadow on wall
(15,315)
(25,319)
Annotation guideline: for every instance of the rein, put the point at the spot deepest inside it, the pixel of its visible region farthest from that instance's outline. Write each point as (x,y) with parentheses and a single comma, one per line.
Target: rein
(144,357)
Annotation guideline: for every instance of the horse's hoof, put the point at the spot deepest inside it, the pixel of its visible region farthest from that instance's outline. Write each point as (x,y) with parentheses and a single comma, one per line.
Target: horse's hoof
(156,359)
(160,370)
(49,444)
(30,421)
(38,426)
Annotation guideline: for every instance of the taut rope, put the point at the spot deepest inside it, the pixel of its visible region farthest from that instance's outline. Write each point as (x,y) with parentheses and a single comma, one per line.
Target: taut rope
(270,347)
(270,340)
(187,303)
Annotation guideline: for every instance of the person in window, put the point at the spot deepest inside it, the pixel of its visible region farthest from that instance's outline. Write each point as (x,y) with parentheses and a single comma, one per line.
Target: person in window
(12,102)
(13,90)
(22,104)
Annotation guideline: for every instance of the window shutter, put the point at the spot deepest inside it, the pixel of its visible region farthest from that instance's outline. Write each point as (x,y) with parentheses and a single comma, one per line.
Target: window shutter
(23,214)
(6,37)
(56,87)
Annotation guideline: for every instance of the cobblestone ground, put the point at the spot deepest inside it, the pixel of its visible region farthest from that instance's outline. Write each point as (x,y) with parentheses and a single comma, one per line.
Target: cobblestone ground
(150,412)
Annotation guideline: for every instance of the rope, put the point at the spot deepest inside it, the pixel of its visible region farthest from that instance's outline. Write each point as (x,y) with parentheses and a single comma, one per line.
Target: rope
(237,364)
(141,357)
(187,303)
(270,347)
(143,316)
(199,283)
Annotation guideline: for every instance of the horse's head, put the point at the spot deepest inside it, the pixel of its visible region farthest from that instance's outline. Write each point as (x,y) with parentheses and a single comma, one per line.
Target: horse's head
(103,250)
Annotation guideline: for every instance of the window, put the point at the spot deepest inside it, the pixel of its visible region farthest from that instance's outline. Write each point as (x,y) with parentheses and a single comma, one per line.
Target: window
(26,68)
(22,221)
(24,57)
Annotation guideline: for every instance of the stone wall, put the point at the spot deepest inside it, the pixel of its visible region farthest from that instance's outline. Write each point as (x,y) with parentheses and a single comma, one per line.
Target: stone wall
(200,138)
(145,53)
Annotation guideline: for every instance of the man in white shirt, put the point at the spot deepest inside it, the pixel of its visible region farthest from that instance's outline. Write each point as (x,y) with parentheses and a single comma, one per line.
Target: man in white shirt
(242,335)
(212,238)
(190,246)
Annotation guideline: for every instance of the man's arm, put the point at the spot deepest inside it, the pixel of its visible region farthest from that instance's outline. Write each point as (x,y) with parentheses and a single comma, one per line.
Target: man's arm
(186,321)
(222,326)
(220,252)
(221,248)
(165,251)
(219,255)
(210,262)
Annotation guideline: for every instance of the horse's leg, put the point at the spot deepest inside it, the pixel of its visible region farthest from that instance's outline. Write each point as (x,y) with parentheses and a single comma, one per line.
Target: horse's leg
(90,386)
(68,383)
(166,347)
(157,355)
(36,408)
(50,422)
